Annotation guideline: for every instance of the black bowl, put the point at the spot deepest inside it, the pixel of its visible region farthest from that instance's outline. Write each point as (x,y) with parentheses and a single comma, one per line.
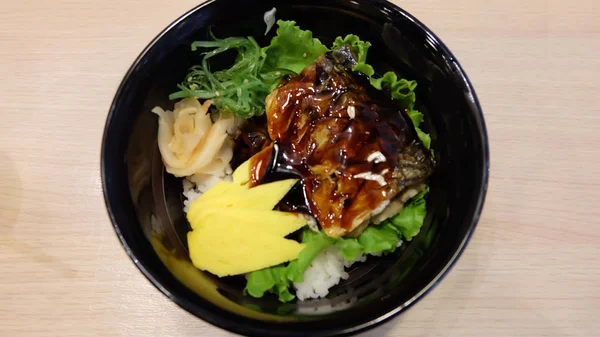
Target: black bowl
(145,204)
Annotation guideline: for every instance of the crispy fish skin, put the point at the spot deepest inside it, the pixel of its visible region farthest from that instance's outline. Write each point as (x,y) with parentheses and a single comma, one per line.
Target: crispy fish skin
(351,144)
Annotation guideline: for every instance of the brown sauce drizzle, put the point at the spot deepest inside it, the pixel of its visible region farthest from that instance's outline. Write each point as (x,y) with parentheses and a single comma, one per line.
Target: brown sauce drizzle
(252,138)
(332,150)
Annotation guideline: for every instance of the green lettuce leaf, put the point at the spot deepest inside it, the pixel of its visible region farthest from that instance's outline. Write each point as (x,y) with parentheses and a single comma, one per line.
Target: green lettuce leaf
(273,278)
(315,243)
(283,292)
(350,248)
(379,239)
(425,138)
(292,48)
(403,91)
(279,278)
(417,119)
(400,89)
(383,238)
(360,49)
(364,68)
(410,220)
(261,281)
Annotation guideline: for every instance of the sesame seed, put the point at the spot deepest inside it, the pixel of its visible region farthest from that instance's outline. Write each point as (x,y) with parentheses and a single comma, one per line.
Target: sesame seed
(376,157)
(371,176)
(351,112)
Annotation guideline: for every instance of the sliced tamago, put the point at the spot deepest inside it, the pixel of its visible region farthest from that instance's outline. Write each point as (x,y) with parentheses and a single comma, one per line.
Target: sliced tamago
(223,252)
(228,194)
(222,188)
(236,231)
(271,222)
(261,197)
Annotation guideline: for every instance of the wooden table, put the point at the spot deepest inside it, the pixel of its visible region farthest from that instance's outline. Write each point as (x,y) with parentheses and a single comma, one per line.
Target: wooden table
(532,268)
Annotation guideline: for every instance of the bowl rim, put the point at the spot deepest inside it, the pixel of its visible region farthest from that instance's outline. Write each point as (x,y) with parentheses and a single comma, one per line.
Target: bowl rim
(273,329)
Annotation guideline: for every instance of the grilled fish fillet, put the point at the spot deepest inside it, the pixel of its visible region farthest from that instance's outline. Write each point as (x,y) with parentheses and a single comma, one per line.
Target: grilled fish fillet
(352,146)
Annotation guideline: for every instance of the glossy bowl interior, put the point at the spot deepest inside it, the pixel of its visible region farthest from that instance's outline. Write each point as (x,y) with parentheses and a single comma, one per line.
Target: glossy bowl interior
(145,204)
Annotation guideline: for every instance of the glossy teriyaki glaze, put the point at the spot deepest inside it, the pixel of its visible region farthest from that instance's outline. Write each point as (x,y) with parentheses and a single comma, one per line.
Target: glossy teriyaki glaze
(353,148)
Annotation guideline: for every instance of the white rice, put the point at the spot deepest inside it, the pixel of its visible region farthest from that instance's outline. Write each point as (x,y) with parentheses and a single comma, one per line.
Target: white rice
(190,193)
(325,271)
(311,222)
(194,186)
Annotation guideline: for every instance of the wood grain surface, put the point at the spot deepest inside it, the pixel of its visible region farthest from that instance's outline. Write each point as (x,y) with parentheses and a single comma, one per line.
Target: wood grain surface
(532,268)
